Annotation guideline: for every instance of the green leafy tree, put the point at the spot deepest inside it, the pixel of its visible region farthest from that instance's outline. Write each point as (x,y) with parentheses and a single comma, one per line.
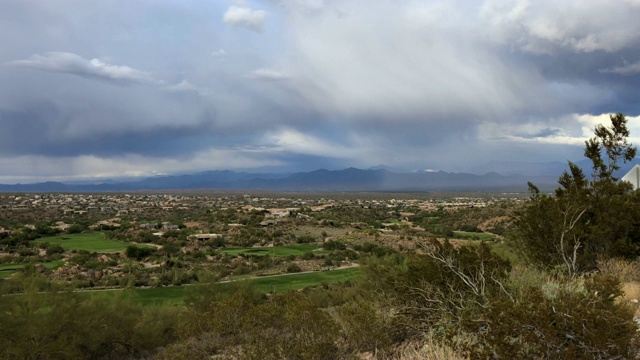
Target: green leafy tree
(613,142)
(585,219)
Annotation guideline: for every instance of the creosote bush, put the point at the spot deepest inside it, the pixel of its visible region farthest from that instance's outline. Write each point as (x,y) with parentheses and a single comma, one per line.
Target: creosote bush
(466,298)
(253,327)
(576,323)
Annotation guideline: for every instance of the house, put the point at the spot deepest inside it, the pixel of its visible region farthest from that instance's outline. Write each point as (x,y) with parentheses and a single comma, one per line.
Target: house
(168,226)
(269,222)
(205,237)
(148,226)
(633,177)
(60,225)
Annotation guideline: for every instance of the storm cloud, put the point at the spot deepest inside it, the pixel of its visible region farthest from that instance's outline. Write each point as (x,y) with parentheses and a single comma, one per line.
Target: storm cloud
(111,88)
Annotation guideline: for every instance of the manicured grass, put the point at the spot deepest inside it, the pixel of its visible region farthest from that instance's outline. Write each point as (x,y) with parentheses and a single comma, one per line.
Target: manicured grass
(175,295)
(300,281)
(7,269)
(466,235)
(94,242)
(276,251)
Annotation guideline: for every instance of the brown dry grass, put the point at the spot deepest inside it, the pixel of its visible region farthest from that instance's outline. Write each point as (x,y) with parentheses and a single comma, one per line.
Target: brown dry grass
(629,274)
(428,349)
(631,291)
(632,296)
(627,271)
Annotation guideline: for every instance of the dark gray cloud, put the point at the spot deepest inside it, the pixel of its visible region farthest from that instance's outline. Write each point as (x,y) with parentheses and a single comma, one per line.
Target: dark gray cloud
(546,132)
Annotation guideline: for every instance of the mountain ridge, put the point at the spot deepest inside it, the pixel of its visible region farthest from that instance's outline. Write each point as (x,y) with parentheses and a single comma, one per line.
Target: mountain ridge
(323,180)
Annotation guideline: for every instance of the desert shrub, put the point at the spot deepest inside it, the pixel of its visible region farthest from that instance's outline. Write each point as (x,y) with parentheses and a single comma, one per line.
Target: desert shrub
(469,299)
(446,284)
(429,349)
(170,248)
(76,229)
(334,245)
(250,327)
(48,327)
(138,252)
(82,256)
(626,270)
(242,269)
(171,234)
(374,249)
(305,239)
(365,327)
(145,237)
(264,262)
(293,268)
(290,326)
(25,251)
(576,323)
(470,228)
(54,249)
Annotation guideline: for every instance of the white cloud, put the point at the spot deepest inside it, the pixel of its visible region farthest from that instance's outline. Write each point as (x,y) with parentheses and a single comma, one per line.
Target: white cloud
(37,168)
(573,129)
(417,80)
(626,69)
(220,53)
(548,26)
(187,87)
(70,63)
(245,17)
(415,66)
(267,74)
(184,85)
(313,5)
(307,6)
(295,141)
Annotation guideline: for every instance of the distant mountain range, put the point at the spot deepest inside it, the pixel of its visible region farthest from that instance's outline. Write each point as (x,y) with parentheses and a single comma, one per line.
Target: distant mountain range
(319,180)
(544,175)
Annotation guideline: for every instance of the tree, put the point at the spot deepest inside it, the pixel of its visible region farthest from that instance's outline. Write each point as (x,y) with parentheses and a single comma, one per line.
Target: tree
(585,219)
(613,142)
(137,252)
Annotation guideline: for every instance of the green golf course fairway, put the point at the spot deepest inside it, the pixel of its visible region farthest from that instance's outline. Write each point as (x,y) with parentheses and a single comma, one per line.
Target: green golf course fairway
(276,251)
(175,295)
(94,242)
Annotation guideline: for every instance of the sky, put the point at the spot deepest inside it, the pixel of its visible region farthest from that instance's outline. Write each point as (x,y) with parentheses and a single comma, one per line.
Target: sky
(119,88)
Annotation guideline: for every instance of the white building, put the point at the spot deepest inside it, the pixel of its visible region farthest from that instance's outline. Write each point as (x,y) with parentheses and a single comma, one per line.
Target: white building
(633,176)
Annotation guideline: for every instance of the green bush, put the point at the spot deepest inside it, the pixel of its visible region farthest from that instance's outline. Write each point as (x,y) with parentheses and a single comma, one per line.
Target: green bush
(73,326)
(54,249)
(248,327)
(334,245)
(137,252)
(364,328)
(305,239)
(585,323)
(293,268)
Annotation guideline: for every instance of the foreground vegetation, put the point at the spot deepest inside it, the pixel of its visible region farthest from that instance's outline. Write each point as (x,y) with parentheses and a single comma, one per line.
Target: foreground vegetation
(555,277)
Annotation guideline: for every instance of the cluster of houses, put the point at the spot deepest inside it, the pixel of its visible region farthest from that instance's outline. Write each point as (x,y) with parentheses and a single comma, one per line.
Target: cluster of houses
(109,207)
